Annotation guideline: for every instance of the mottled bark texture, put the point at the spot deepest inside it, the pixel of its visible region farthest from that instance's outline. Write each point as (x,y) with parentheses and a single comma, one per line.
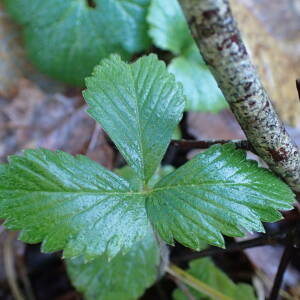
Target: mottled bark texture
(220,44)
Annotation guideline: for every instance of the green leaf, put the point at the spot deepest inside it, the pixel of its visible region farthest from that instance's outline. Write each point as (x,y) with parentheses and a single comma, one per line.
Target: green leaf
(168,27)
(217,192)
(169,31)
(70,203)
(199,85)
(139,106)
(177,135)
(159,174)
(128,173)
(124,277)
(76,205)
(206,271)
(66,39)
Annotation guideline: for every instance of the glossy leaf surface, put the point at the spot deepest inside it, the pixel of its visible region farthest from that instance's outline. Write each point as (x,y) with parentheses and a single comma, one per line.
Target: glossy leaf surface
(70,203)
(217,192)
(205,270)
(139,106)
(124,277)
(76,205)
(66,39)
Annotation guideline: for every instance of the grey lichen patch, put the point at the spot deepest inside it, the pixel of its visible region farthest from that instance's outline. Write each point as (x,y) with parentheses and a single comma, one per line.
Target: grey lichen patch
(221,46)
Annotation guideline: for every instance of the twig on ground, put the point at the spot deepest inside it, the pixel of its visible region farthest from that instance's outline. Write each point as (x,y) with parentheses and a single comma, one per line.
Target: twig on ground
(287,255)
(298,87)
(267,239)
(269,283)
(284,262)
(204,144)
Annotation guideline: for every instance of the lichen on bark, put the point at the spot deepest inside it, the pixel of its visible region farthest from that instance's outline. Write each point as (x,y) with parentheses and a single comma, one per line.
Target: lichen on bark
(219,40)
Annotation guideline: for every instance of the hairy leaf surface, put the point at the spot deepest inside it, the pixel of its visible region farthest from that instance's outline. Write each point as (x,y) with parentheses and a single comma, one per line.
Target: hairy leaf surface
(70,203)
(139,106)
(217,192)
(66,39)
(124,277)
(206,271)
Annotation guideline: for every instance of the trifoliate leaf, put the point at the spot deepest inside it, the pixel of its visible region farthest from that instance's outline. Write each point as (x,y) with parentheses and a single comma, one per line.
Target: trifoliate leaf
(124,277)
(128,173)
(66,39)
(206,271)
(217,192)
(199,85)
(168,27)
(76,205)
(70,203)
(139,106)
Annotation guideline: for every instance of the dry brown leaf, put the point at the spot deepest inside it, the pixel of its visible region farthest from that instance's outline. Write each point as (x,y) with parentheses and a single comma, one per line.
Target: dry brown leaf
(12,56)
(79,134)
(35,119)
(16,116)
(14,65)
(214,126)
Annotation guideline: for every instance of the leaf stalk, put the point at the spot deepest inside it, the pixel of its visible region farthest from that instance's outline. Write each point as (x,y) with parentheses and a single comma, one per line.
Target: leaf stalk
(195,283)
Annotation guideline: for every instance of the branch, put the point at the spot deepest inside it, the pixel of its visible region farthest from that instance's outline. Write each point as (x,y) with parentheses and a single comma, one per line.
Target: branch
(298,87)
(284,262)
(220,43)
(287,255)
(267,239)
(204,144)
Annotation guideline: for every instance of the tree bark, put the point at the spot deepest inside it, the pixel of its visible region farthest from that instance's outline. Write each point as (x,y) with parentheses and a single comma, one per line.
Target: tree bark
(218,38)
